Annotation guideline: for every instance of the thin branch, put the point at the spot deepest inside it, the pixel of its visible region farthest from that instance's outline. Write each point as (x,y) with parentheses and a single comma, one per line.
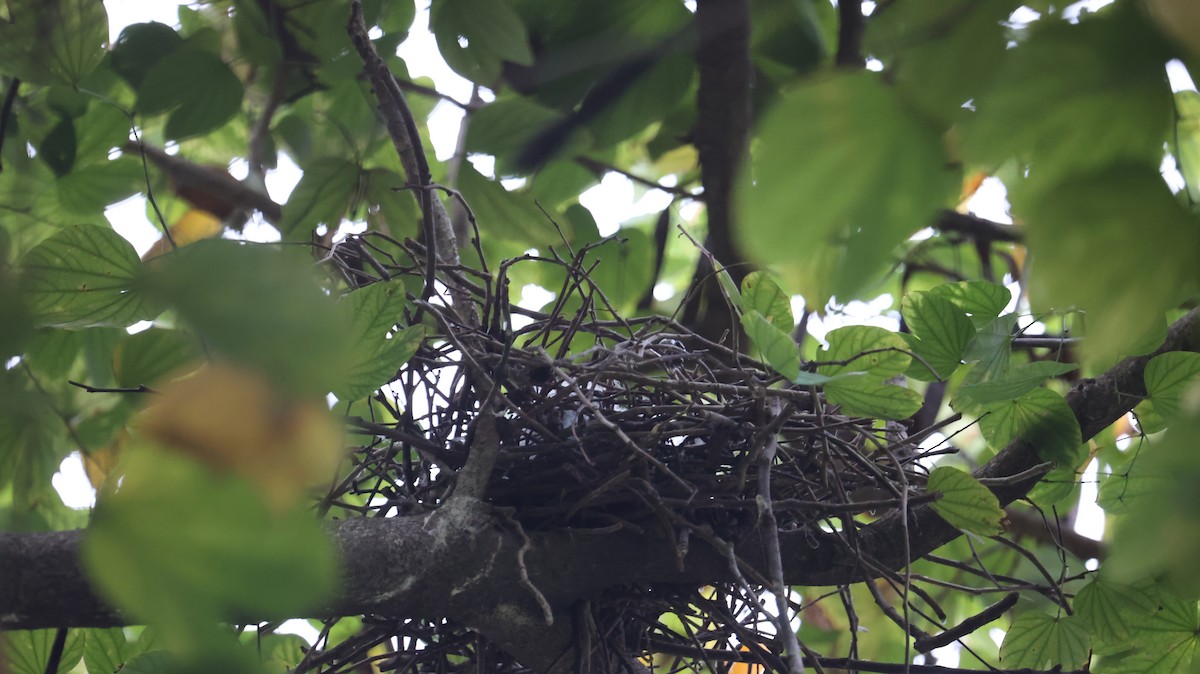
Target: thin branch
(409,85)
(1043,342)
(56,651)
(851,26)
(1024,522)
(968,626)
(261,131)
(600,168)
(10,97)
(124,389)
(402,128)
(766,457)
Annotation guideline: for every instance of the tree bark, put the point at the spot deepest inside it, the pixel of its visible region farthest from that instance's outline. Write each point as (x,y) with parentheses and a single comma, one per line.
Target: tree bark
(722,138)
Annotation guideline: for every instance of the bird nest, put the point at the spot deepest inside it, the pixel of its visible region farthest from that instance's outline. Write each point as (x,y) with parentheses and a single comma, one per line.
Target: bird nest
(606,422)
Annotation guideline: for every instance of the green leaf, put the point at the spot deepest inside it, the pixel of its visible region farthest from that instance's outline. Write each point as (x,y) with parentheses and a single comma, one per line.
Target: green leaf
(389,209)
(87,190)
(626,268)
(788,33)
(728,287)
(559,182)
(1013,384)
(106,650)
(648,99)
(888,355)
(1176,658)
(1086,250)
(375,356)
(282,652)
(18,323)
(140,47)
(28,651)
(1055,487)
(85,276)
(196,87)
(942,333)
(102,128)
(775,346)
(871,176)
(1131,482)
(965,503)
(1111,102)
(51,41)
(1175,623)
(179,546)
(322,196)
(257,305)
(867,396)
(811,379)
(55,352)
(508,216)
(255,38)
(476,36)
(145,358)
(980,300)
(1041,418)
(100,428)
(1109,608)
(760,293)
(30,446)
(991,348)
(1187,140)
(397,17)
(1173,384)
(1155,538)
(1164,642)
(1148,418)
(505,126)
(923,44)
(152,662)
(1040,641)
(57,149)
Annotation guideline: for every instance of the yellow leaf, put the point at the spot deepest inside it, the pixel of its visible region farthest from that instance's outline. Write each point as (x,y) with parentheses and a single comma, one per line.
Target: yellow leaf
(745,667)
(233,421)
(194,225)
(99,464)
(970,186)
(679,161)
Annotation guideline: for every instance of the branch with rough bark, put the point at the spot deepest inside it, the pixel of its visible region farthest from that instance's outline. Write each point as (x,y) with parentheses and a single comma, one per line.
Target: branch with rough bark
(722,137)
(466,565)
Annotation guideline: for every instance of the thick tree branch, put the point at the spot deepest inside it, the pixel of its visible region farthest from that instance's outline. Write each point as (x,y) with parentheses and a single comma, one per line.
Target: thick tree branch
(10,97)
(977,228)
(721,136)
(462,563)
(851,26)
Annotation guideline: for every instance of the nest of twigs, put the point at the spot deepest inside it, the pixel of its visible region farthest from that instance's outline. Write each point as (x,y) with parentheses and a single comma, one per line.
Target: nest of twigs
(607,422)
